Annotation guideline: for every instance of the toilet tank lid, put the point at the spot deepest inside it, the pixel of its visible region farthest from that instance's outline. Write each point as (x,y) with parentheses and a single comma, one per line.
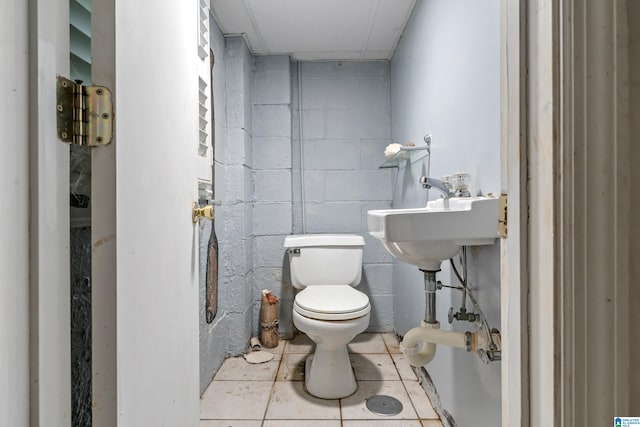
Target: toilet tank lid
(305,240)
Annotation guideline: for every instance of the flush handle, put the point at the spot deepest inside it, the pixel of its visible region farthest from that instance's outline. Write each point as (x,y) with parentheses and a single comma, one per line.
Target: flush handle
(294,251)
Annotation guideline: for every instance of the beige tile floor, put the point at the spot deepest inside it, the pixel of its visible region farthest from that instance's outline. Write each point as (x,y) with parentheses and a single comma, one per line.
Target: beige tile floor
(272,394)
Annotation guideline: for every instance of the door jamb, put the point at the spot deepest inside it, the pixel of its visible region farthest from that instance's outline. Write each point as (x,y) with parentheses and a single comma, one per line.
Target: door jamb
(49,311)
(14,216)
(103,230)
(514,266)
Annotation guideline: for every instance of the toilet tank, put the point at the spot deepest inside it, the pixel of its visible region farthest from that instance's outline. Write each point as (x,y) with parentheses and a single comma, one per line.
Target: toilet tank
(325,259)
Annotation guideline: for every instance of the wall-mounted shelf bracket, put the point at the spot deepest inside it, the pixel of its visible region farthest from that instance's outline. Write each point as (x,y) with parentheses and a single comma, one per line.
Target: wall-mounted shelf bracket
(405,153)
(408,153)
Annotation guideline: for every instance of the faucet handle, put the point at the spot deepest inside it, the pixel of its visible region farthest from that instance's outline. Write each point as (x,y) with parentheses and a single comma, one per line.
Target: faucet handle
(460,181)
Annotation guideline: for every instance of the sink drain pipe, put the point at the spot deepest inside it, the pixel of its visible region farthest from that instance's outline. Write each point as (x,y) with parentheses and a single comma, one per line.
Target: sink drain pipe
(417,350)
(430,287)
(419,344)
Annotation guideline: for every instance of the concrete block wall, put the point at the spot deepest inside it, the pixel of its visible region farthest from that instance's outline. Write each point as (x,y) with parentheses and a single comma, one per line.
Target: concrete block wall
(232,327)
(272,198)
(346,123)
(234,189)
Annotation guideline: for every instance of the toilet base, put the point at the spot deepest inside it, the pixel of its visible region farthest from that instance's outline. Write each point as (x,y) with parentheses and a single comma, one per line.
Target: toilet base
(329,375)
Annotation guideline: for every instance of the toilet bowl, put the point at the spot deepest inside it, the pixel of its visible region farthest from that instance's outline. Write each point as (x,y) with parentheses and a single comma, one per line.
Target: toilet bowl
(328,372)
(328,309)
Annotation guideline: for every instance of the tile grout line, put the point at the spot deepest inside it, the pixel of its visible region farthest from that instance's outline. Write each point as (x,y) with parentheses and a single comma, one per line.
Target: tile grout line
(273,385)
(415,409)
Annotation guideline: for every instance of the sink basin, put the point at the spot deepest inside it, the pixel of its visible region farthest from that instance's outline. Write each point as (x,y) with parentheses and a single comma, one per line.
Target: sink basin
(427,236)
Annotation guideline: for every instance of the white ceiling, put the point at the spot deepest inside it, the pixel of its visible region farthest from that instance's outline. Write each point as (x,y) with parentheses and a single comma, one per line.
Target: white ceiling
(316,29)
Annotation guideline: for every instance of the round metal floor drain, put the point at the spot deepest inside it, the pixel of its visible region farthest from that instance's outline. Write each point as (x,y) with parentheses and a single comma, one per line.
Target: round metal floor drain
(384,405)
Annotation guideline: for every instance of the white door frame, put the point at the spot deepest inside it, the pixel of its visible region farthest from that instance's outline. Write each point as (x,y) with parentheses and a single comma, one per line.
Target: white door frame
(34,218)
(565,265)
(593,220)
(14,215)
(530,280)
(543,197)
(49,350)
(104,266)
(514,265)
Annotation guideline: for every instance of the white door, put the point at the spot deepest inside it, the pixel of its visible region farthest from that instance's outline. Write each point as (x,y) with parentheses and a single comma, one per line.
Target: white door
(145,257)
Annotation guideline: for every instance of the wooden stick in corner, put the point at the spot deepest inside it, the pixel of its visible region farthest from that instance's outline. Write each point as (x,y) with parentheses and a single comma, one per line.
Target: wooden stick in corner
(269,319)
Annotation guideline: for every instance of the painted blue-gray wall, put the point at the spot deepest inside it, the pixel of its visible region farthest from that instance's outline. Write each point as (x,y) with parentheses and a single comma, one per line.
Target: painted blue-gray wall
(232,327)
(272,197)
(445,79)
(346,112)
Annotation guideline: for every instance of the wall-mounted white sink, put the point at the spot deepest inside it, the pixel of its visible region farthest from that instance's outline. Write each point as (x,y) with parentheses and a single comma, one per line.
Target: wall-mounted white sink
(426,236)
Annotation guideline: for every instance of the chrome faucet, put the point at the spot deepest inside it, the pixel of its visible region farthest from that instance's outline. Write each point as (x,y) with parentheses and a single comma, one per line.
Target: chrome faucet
(442,186)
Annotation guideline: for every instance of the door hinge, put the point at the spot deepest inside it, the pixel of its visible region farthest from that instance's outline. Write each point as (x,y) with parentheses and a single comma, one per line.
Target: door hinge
(84,113)
(502,216)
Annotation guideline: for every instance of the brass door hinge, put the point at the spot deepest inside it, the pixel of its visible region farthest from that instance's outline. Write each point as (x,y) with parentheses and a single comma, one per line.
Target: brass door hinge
(84,113)
(502,216)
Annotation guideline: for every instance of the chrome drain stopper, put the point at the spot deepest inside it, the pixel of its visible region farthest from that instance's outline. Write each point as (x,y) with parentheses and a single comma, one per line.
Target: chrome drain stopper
(384,405)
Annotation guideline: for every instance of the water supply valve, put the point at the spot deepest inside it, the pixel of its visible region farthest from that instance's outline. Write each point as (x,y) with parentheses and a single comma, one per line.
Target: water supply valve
(462,315)
(494,353)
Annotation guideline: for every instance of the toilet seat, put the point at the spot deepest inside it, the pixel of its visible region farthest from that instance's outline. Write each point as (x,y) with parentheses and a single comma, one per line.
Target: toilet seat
(331,302)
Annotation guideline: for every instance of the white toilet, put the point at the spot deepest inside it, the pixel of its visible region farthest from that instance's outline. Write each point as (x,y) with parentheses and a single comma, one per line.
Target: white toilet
(328,267)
